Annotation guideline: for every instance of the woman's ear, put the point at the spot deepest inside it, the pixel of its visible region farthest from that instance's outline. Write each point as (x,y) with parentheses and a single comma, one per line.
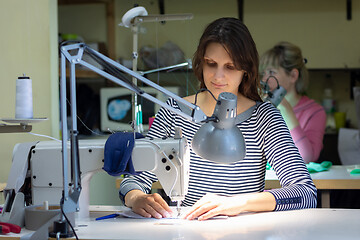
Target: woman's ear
(294,75)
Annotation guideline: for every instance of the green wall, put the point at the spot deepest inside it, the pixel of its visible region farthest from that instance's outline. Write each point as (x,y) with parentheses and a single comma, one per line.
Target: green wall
(319,27)
(28,44)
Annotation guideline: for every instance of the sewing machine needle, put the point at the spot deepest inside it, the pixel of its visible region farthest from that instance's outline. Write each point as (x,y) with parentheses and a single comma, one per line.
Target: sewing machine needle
(178,207)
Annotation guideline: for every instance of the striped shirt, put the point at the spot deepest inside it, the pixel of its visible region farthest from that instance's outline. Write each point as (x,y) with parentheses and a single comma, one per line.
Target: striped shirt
(267,139)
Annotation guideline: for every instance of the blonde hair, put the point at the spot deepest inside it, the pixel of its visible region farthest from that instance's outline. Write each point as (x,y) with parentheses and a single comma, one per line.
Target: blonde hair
(289,57)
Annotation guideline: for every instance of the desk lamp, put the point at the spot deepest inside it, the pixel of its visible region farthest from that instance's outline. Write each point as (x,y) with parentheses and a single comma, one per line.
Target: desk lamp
(275,96)
(218,139)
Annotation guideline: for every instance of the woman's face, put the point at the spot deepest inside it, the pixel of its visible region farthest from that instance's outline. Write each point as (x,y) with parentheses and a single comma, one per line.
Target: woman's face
(280,74)
(219,72)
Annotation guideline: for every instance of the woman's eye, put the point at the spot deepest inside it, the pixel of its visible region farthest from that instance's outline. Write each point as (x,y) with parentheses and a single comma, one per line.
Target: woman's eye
(211,64)
(230,67)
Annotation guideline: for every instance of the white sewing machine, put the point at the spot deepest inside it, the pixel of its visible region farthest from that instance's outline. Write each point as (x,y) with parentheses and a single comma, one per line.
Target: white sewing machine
(167,158)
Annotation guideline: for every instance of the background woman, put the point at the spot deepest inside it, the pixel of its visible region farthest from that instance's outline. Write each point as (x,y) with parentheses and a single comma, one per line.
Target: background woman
(304,117)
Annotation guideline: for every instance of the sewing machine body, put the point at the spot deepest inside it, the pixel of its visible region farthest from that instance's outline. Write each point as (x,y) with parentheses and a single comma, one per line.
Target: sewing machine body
(167,158)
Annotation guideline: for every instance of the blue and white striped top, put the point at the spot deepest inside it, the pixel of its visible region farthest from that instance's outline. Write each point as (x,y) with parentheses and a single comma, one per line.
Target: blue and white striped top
(267,139)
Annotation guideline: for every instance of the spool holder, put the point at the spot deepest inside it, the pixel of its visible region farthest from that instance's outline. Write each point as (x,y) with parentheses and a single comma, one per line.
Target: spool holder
(6,128)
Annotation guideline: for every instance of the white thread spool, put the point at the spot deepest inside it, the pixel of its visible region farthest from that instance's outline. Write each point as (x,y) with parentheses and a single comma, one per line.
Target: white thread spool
(46,205)
(24,101)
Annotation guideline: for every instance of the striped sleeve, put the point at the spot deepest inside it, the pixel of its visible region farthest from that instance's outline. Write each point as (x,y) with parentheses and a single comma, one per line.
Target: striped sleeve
(298,190)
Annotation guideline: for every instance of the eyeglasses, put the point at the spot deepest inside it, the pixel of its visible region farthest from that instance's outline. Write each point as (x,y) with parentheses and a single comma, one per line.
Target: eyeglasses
(268,72)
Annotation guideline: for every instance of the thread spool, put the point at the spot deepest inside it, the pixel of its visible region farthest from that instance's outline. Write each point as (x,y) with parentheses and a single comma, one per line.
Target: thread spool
(46,205)
(24,101)
(131,14)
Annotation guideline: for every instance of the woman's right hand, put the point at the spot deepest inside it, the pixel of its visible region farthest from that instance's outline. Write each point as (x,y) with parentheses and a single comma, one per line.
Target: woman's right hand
(147,205)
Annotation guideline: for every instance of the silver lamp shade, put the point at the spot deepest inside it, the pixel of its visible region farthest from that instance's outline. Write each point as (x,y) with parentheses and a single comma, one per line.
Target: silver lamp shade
(221,141)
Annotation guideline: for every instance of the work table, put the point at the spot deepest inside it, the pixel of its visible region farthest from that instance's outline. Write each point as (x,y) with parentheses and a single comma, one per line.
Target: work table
(297,224)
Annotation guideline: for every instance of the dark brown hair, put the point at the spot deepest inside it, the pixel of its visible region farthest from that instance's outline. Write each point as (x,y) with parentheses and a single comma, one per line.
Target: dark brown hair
(235,37)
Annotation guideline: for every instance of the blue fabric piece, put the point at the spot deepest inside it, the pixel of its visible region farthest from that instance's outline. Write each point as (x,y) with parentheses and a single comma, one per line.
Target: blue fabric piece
(117,153)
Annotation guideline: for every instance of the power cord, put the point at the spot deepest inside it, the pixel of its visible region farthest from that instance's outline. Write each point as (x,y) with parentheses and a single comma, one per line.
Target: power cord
(212,118)
(40,135)
(67,220)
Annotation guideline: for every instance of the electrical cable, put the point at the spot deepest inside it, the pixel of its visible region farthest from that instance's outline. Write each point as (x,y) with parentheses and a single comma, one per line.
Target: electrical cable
(67,220)
(88,127)
(40,135)
(203,90)
(110,69)
(81,121)
(267,86)
(212,118)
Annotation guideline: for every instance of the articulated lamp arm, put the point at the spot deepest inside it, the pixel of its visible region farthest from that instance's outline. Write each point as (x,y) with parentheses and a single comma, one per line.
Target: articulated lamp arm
(218,139)
(197,114)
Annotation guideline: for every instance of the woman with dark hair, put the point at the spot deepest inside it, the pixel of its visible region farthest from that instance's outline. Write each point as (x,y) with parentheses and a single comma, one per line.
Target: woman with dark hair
(226,60)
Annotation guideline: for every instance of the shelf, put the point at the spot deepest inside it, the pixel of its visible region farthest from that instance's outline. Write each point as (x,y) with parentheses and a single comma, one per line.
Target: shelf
(110,48)
(110,19)
(4,128)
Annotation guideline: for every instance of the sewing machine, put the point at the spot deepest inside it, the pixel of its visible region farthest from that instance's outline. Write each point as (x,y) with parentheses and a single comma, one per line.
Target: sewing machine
(167,158)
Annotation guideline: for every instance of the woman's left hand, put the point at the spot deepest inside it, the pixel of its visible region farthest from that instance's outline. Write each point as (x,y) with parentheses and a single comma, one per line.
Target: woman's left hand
(288,114)
(212,205)
(284,106)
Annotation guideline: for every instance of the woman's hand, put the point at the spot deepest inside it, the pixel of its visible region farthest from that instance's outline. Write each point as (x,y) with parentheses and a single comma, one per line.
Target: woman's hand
(212,205)
(284,106)
(147,205)
(288,114)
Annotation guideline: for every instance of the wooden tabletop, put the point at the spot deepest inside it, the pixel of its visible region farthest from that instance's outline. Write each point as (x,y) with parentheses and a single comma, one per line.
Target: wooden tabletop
(337,177)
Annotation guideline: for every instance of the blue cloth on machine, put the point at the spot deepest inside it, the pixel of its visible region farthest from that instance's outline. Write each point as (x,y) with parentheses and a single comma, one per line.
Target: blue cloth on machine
(117,153)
